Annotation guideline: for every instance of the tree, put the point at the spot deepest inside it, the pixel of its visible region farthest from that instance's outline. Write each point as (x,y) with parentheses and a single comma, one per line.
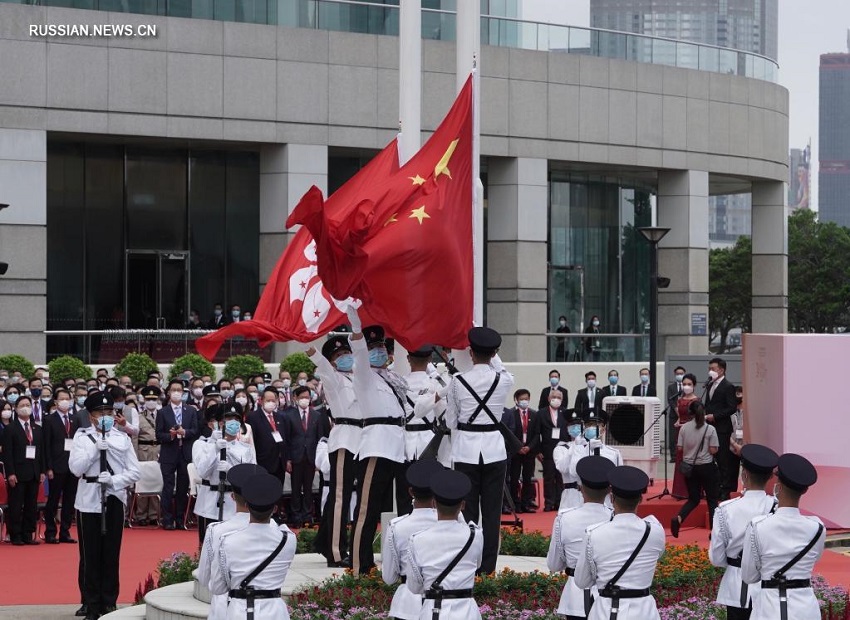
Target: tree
(730,289)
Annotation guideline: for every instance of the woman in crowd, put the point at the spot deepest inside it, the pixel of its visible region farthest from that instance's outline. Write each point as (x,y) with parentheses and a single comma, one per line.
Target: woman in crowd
(680,485)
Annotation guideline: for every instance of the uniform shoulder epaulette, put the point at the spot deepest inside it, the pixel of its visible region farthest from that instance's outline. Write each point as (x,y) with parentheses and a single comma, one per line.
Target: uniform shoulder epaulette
(814,519)
(756,520)
(477,527)
(562,444)
(729,501)
(569,510)
(397,519)
(652,520)
(591,528)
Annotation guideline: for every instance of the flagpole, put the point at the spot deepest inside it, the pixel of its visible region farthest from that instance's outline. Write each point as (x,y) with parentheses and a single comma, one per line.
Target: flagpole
(468,26)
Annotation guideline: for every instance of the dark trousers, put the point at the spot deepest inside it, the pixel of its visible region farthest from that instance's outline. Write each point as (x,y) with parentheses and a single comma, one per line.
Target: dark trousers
(522,473)
(173,504)
(703,478)
(375,476)
(23,509)
(332,533)
(736,613)
(672,436)
(62,488)
(301,506)
(552,481)
(403,501)
(729,467)
(485,499)
(100,555)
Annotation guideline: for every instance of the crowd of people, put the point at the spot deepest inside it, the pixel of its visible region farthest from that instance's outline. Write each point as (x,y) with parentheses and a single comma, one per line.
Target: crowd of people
(436,446)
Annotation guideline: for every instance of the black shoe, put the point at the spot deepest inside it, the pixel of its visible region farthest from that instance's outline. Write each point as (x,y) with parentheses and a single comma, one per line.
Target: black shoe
(153,523)
(109,610)
(31,541)
(18,542)
(92,615)
(127,524)
(529,509)
(142,522)
(68,539)
(180,526)
(548,509)
(82,611)
(346,562)
(50,540)
(675,524)
(168,526)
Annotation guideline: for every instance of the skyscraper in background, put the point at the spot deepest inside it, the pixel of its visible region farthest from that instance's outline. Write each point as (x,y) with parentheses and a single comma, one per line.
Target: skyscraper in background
(834,175)
(799,179)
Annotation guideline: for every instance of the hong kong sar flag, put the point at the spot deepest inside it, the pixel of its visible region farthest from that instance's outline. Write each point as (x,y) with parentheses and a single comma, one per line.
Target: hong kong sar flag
(403,243)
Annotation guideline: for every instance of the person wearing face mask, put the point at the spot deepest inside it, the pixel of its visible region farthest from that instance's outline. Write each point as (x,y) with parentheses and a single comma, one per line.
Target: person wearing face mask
(527,428)
(147,449)
(304,427)
(269,431)
(100,553)
(553,423)
(217,320)
(177,428)
(683,416)
(699,444)
(238,383)
(554,386)
(302,379)
(721,405)
(335,362)
(59,429)
(613,388)
(25,467)
(196,393)
(225,388)
(572,446)
(593,444)
(592,344)
(126,417)
(35,389)
(5,419)
(562,350)
(674,392)
(235,314)
(643,389)
(589,399)
(256,395)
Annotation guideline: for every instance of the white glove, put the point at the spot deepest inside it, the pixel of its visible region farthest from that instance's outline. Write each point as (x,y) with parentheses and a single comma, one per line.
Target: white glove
(216,435)
(354,319)
(220,444)
(105,478)
(223,466)
(102,444)
(595,443)
(580,441)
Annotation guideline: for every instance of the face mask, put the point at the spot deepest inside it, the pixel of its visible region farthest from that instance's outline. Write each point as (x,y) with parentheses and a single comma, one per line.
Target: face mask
(378,357)
(596,323)
(644,378)
(184,397)
(553,381)
(282,401)
(679,378)
(574,430)
(118,406)
(63,404)
(303,402)
(227,394)
(106,423)
(6,414)
(287,382)
(562,323)
(247,317)
(158,406)
(591,383)
(712,374)
(234,314)
(242,401)
(197,392)
(238,386)
(590,433)
(35,392)
(344,363)
(232,427)
(523,404)
(261,387)
(613,380)
(81,401)
(687,389)
(150,405)
(45,403)
(269,406)
(302,382)
(175,397)
(555,402)
(4,377)
(217,312)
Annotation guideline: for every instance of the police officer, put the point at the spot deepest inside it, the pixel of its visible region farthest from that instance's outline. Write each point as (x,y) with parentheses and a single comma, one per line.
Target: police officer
(147,449)
(619,556)
(781,549)
(567,541)
(100,551)
(478,448)
(444,558)
(335,363)
(594,436)
(731,520)
(563,454)
(394,561)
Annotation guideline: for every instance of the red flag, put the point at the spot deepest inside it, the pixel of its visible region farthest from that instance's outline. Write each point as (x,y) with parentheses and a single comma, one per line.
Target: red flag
(403,244)
(295,305)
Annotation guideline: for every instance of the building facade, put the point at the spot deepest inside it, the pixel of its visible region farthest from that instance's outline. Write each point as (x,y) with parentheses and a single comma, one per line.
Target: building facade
(834,144)
(148,176)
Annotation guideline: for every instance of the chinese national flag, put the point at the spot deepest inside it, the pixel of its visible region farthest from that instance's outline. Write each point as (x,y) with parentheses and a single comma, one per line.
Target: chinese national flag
(403,243)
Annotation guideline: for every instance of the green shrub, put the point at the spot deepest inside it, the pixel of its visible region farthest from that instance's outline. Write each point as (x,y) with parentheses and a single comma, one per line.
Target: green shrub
(137,366)
(197,364)
(17,363)
(243,366)
(68,367)
(297,362)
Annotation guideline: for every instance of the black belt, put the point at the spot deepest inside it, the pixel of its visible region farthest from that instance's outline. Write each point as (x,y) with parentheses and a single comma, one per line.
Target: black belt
(571,485)
(349,422)
(477,428)
(787,584)
(249,593)
(448,594)
(403,578)
(326,484)
(570,571)
(386,421)
(616,593)
(418,427)
(91,479)
(214,485)
(736,562)
(148,442)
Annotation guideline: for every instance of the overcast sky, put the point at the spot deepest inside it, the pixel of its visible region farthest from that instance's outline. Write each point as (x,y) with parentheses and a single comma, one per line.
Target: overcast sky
(806,30)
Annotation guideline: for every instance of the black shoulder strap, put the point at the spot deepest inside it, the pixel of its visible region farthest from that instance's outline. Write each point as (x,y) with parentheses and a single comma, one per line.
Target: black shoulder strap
(265,563)
(631,559)
(439,580)
(482,404)
(397,397)
(108,468)
(781,572)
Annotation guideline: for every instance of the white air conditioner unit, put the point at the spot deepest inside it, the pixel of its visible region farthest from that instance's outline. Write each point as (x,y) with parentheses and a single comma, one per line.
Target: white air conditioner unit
(629,417)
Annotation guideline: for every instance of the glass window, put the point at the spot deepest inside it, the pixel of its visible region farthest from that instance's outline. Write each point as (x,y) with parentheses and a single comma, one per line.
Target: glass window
(242,221)
(156,199)
(208,240)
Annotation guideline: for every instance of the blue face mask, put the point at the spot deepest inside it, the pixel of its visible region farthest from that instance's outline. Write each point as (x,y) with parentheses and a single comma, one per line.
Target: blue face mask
(261,387)
(35,392)
(232,427)
(13,398)
(378,357)
(644,378)
(574,430)
(553,381)
(106,423)
(185,397)
(81,400)
(344,363)
(590,433)
(613,380)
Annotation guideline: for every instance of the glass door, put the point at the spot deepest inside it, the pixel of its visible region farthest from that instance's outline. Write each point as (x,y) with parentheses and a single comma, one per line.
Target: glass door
(566,298)
(156,289)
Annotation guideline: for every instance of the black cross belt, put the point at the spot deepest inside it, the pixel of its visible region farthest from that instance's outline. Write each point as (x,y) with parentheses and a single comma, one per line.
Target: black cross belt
(477,428)
(448,594)
(90,479)
(570,571)
(736,562)
(385,421)
(418,427)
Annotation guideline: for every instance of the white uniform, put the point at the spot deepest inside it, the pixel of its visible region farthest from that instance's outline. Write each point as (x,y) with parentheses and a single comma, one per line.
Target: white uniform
(563,455)
(339,392)
(564,549)
(427,406)
(209,552)
(584,449)
(205,456)
(607,546)
(405,604)
(417,432)
(84,462)
(770,543)
(323,464)
(240,553)
(430,552)
(731,520)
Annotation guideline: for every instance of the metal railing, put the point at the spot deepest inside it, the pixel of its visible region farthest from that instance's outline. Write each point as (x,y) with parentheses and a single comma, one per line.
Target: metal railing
(597,347)
(383,19)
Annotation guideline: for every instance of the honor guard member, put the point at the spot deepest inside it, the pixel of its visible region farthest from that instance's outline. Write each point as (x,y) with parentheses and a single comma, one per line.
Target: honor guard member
(432,406)
(106,464)
(563,455)
(405,604)
(619,556)
(473,410)
(211,424)
(567,541)
(236,477)
(781,549)
(731,520)
(444,559)
(214,502)
(594,436)
(147,450)
(245,570)
(334,364)
(323,465)
(381,394)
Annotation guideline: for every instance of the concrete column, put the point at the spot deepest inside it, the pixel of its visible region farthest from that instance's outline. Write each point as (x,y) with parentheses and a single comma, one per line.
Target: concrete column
(23,243)
(682,257)
(286,172)
(770,257)
(517,234)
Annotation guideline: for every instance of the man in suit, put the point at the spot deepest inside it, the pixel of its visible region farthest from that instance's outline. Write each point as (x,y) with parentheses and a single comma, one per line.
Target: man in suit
(721,404)
(59,428)
(674,392)
(36,387)
(554,386)
(177,428)
(589,399)
(552,421)
(217,319)
(643,388)
(613,389)
(268,427)
(527,428)
(304,427)
(23,460)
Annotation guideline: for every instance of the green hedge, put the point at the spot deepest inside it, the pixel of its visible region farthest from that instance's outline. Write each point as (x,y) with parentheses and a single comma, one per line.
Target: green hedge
(197,364)
(68,367)
(297,362)
(243,366)
(17,363)
(137,366)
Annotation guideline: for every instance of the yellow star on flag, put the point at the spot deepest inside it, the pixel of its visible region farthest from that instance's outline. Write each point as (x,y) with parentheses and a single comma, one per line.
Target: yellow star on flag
(442,166)
(417,180)
(419,214)
(391,220)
